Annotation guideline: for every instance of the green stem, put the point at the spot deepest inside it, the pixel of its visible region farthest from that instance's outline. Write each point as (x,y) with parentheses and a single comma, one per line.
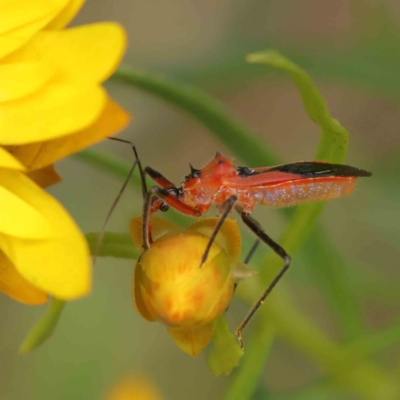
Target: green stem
(221,122)
(256,352)
(118,245)
(346,368)
(43,328)
(375,342)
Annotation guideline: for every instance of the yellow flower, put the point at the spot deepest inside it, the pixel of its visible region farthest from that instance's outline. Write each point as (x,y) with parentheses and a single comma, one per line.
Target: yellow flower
(170,287)
(52,104)
(134,387)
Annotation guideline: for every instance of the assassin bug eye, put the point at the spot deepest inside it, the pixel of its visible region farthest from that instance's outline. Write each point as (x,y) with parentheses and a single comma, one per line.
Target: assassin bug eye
(164,207)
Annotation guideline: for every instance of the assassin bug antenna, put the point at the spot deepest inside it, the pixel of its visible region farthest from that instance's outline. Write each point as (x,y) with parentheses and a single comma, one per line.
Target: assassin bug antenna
(121,191)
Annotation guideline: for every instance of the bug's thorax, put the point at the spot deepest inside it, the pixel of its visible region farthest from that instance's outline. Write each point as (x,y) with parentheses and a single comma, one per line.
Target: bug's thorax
(201,186)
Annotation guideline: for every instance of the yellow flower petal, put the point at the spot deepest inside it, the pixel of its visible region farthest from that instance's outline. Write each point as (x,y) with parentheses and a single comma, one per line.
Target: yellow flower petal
(228,237)
(88,53)
(45,177)
(13,285)
(60,265)
(66,15)
(58,109)
(21,19)
(17,217)
(192,340)
(20,79)
(39,155)
(8,161)
(134,387)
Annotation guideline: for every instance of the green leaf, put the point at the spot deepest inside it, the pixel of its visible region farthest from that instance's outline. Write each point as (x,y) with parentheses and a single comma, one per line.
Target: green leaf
(43,328)
(332,273)
(226,352)
(377,341)
(118,245)
(256,351)
(206,109)
(334,138)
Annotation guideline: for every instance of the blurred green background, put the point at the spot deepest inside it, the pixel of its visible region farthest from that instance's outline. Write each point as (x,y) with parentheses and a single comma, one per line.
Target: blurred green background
(352,51)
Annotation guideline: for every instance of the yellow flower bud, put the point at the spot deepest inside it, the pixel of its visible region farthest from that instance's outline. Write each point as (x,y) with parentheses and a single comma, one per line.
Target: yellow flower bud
(170,285)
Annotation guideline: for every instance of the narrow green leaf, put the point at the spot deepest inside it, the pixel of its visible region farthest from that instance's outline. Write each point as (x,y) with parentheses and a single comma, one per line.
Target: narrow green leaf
(333,275)
(344,367)
(256,352)
(118,245)
(206,109)
(43,328)
(225,353)
(322,389)
(334,139)
(374,342)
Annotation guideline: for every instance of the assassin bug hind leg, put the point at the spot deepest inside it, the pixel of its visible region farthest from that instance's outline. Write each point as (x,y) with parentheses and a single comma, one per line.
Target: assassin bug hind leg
(255,227)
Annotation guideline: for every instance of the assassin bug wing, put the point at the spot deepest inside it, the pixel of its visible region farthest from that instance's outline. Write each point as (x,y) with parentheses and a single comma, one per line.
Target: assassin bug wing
(261,177)
(292,184)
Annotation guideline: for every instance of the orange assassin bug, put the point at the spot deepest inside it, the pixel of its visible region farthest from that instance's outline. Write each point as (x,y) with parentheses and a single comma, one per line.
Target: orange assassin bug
(229,187)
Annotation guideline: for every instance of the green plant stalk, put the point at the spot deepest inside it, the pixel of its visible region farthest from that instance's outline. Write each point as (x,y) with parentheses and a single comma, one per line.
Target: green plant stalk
(44,327)
(118,245)
(334,276)
(210,112)
(254,358)
(344,366)
(375,342)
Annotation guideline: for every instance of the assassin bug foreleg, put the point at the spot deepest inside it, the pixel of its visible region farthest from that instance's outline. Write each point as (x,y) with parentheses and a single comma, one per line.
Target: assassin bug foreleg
(226,186)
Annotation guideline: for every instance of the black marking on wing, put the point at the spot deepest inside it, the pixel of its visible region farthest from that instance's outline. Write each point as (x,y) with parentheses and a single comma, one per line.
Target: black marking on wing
(316,169)
(245,172)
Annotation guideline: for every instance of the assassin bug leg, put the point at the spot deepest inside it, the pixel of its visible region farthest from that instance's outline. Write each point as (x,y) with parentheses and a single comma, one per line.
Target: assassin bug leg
(170,199)
(255,227)
(252,251)
(226,207)
(249,256)
(157,177)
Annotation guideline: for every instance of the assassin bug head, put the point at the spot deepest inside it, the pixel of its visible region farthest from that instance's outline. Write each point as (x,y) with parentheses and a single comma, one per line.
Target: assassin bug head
(210,175)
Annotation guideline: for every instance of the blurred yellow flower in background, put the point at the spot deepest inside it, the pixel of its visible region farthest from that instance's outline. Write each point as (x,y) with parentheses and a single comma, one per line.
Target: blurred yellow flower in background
(52,104)
(170,287)
(134,387)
